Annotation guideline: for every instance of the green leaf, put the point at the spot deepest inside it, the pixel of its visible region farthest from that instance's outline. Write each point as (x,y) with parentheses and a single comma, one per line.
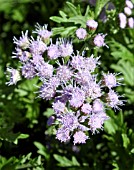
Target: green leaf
(42,150)
(63,15)
(126,140)
(78,19)
(17,16)
(99,5)
(75,162)
(110,126)
(127,70)
(87,11)
(49,112)
(58,19)
(68,31)
(72,8)
(64,31)
(132,150)
(120,51)
(65,162)
(58,30)
(21,136)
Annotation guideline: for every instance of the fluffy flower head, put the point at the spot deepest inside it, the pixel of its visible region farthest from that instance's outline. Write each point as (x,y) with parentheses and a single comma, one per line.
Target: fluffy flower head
(81,33)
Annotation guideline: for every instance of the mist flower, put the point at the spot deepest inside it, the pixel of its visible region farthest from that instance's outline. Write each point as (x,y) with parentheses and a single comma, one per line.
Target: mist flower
(80,137)
(14,76)
(81,33)
(92,24)
(37,46)
(23,41)
(62,135)
(46,91)
(28,70)
(78,95)
(42,31)
(63,73)
(58,107)
(96,121)
(65,47)
(86,108)
(110,80)
(53,52)
(113,100)
(99,40)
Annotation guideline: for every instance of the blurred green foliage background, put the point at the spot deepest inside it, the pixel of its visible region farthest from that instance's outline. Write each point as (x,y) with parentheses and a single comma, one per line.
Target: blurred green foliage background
(26,142)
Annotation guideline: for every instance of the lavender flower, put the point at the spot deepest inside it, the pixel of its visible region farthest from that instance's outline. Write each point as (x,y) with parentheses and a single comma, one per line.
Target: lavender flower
(97,106)
(62,134)
(37,60)
(78,97)
(14,76)
(25,56)
(23,42)
(42,31)
(69,121)
(46,92)
(18,52)
(80,137)
(65,48)
(81,33)
(63,73)
(96,121)
(37,46)
(69,81)
(86,108)
(54,81)
(78,62)
(113,100)
(93,90)
(45,70)
(53,52)
(83,77)
(91,63)
(110,80)
(92,24)
(28,70)
(99,40)
(59,107)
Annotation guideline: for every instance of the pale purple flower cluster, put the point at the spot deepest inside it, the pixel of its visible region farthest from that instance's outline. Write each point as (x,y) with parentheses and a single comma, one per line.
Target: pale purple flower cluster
(79,98)
(126,18)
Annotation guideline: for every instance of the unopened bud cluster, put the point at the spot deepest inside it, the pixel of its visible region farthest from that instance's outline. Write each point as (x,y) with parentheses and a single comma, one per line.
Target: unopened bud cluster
(126,18)
(79,98)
